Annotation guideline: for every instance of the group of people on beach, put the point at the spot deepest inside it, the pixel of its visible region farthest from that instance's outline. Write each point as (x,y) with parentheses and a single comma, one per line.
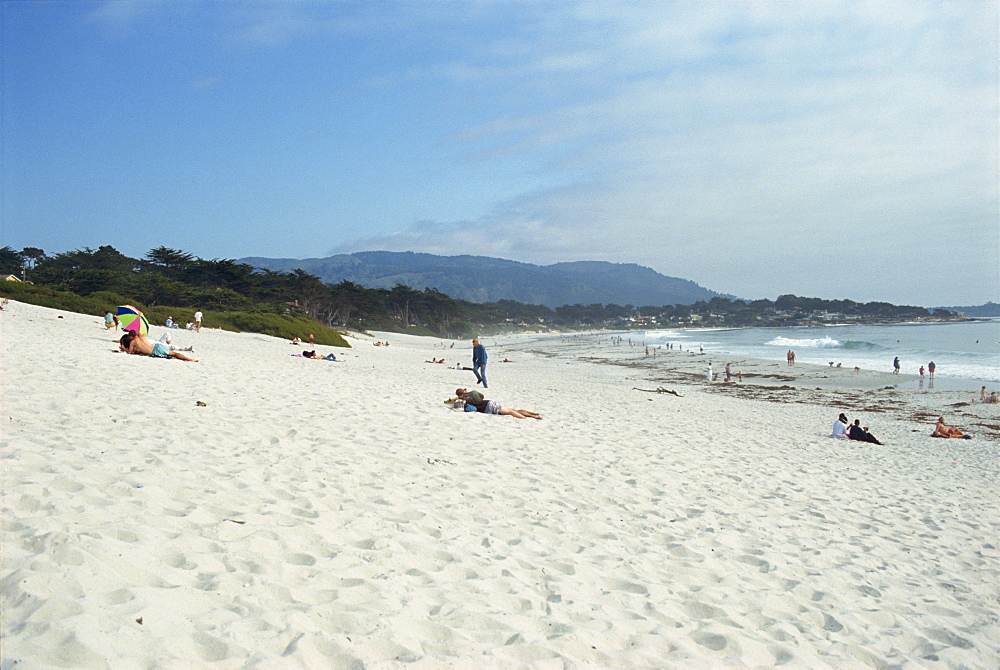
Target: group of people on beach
(111,321)
(845,430)
(472,400)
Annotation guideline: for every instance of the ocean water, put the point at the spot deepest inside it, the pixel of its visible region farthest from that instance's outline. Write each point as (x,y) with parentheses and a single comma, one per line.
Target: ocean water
(963,352)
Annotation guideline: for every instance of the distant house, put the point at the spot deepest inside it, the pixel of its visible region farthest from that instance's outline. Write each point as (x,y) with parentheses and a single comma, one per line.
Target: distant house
(10,278)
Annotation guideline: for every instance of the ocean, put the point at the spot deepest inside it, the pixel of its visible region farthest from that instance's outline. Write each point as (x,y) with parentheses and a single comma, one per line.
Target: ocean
(966,354)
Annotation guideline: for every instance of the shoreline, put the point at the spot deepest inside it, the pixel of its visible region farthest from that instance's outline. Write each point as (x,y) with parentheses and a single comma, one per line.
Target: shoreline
(258,508)
(839,389)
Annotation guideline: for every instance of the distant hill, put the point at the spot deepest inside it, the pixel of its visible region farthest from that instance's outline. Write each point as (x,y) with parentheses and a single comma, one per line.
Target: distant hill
(483,279)
(977,311)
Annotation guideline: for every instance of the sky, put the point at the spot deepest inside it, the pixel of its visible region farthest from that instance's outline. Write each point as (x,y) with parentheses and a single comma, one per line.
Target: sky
(840,150)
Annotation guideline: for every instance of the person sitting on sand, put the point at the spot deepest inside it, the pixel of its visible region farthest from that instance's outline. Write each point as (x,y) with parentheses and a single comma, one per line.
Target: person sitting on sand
(140,344)
(296,340)
(840,427)
(854,432)
(167,340)
(943,430)
(861,434)
(476,399)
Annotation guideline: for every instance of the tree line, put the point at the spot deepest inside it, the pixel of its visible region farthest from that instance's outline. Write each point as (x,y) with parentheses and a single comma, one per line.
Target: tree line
(171,278)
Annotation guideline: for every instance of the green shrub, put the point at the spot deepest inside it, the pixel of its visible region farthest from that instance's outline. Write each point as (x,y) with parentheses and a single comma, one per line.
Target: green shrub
(97,304)
(47,297)
(111,299)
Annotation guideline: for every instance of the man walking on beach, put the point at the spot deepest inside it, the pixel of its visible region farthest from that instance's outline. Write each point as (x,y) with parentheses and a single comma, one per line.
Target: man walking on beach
(479,362)
(197,321)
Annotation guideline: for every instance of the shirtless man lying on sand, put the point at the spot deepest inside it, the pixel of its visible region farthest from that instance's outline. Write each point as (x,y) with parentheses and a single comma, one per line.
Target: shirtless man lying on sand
(941,430)
(140,344)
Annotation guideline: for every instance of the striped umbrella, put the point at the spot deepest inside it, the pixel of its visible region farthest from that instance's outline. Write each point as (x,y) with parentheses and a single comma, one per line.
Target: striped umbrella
(132,319)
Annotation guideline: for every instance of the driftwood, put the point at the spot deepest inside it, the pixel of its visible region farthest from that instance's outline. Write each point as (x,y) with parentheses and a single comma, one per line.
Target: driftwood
(658,389)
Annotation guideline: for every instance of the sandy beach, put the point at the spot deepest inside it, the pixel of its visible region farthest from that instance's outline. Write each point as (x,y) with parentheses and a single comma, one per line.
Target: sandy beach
(257,509)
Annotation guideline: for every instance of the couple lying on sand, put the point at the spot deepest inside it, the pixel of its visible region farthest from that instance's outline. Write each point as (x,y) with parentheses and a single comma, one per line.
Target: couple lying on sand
(134,343)
(476,399)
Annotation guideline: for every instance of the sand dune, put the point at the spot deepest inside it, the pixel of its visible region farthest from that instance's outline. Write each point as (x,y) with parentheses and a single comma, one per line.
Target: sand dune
(316,514)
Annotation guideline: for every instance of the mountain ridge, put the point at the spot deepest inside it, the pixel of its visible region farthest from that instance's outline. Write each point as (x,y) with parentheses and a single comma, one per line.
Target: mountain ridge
(487,279)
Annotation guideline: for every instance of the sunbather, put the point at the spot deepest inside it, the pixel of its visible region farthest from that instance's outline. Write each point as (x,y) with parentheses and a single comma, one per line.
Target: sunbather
(942,430)
(140,344)
(476,399)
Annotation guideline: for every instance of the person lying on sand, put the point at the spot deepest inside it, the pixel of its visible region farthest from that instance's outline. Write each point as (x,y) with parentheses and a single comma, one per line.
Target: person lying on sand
(318,357)
(942,430)
(476,399)
(140,344)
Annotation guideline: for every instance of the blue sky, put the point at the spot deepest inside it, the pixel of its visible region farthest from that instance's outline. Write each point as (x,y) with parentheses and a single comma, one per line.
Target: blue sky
(827,149)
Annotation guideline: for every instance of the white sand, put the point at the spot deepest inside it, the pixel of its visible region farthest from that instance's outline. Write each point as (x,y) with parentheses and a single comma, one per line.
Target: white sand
(317,514)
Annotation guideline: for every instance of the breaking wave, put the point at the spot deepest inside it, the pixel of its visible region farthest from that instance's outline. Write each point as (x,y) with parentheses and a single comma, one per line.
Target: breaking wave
(812,343)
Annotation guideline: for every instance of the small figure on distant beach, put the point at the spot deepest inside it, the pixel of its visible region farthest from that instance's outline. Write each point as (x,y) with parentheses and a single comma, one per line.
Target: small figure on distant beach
(319,357)
(198,316)
(930,369)
(110,321)
(710,375)
(479,362)
(943,430)
(170,323)
(476,399)
(729,373)
(791,357)
(921,370)
(895,365)
(840,427)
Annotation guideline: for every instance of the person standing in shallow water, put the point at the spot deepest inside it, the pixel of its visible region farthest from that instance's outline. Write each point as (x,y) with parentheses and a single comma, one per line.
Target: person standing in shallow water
(895,365)
(479,362)
(930,369)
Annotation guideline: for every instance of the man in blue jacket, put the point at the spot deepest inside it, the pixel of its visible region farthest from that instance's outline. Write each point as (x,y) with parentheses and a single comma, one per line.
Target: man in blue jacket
(479,362)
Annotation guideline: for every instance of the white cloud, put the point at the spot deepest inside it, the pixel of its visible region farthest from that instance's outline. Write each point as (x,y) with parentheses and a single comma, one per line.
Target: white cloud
(715,137)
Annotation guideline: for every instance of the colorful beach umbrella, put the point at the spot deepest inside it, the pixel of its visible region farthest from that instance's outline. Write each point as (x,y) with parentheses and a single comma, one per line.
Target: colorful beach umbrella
(132,319)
